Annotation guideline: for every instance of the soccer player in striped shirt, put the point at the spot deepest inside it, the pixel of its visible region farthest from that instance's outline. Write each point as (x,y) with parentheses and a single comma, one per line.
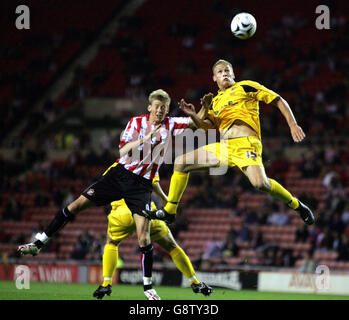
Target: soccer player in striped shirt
(235,112)
(142,148)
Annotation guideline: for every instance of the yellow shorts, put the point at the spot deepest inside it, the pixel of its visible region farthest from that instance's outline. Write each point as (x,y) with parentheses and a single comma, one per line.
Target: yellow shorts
(121,225)
(240,152)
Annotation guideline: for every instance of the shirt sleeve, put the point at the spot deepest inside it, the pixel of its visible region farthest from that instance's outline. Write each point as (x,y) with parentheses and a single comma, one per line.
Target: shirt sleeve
(179,125)
(131,133)
(258,91)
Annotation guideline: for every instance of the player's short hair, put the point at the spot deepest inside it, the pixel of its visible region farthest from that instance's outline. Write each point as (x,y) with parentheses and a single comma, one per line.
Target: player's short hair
(221,61)
(161,95)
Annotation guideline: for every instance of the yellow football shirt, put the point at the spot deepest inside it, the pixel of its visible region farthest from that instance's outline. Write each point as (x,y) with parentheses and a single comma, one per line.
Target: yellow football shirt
(239,102)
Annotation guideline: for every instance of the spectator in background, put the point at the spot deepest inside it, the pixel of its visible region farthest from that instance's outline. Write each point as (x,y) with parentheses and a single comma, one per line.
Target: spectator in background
(251,216)
(243,234)
(308,264)
(331,153)
(96,248)
(59,139)
(69,196)
(82,246)
(85,139)
(262,215)
(73,159)
(58,197)
(270,257)
(4,237)
(13,210)
(287,258)
(336,240)
(336,194)
(258,240)
(311,167)
(335,223)
(324,240)
(212,249)
(329,175)
(41,199)
(106,140)
(279,217)
(345,214)
(302,234)
(343,248)
(230,248)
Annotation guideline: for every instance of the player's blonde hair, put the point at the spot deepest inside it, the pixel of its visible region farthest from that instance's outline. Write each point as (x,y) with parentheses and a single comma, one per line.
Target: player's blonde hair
(161,95)
(221,61)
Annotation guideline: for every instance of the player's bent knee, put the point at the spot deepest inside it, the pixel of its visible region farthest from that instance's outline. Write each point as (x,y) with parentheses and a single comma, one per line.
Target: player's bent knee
(113,242)
(261,185)
(179,164)
(143,240)
(168,243)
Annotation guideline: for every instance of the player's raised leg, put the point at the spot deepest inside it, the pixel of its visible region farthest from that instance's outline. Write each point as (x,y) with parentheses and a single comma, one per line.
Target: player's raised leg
(199,159)
(59,221)
(183,263)
(258,178)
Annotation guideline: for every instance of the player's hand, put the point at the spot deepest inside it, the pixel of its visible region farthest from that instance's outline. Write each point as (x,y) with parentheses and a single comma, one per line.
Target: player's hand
(297,133)
(152,133)
(206,100)
(187,108)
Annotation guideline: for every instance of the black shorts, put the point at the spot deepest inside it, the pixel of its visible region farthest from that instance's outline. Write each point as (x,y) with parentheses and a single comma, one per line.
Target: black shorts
(119,183)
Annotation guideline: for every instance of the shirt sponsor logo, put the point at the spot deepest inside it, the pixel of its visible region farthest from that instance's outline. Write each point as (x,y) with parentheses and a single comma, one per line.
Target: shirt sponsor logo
(90,192)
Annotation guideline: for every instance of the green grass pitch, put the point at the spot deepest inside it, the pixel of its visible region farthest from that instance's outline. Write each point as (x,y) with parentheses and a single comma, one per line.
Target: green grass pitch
(73,291)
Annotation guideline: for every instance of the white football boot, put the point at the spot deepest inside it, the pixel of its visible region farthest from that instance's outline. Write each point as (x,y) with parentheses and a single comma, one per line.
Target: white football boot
(31,248)
(151,294)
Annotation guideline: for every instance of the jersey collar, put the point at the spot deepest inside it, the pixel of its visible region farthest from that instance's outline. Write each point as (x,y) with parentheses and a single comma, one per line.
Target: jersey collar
(222,91)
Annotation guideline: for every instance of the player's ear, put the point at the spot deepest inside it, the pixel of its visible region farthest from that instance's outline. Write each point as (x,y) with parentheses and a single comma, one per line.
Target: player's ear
(214,78)
(149,107)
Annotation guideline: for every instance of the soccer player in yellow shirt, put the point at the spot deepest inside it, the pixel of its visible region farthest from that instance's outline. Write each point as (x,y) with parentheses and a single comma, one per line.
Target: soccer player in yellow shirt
(121,226)
(235,112)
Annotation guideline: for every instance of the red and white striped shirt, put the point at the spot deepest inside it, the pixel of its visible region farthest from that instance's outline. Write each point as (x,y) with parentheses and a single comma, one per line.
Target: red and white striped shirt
(148,157)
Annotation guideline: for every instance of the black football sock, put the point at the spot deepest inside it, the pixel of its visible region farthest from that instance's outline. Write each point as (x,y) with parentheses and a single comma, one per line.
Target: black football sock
(147,265)
(59,221)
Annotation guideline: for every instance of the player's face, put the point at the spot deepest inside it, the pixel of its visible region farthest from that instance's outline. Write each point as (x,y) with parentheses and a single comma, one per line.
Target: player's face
(158,111)
(224,76)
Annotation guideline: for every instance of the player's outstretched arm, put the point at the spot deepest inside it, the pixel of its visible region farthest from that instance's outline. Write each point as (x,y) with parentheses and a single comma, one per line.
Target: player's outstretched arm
(296,131)
(197,120)
(205,101)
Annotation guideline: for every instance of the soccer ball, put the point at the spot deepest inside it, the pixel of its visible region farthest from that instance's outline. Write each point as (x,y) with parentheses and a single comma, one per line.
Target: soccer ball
(243,25)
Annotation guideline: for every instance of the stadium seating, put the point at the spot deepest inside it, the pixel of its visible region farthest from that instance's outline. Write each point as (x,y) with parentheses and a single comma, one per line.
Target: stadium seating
(38,55)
